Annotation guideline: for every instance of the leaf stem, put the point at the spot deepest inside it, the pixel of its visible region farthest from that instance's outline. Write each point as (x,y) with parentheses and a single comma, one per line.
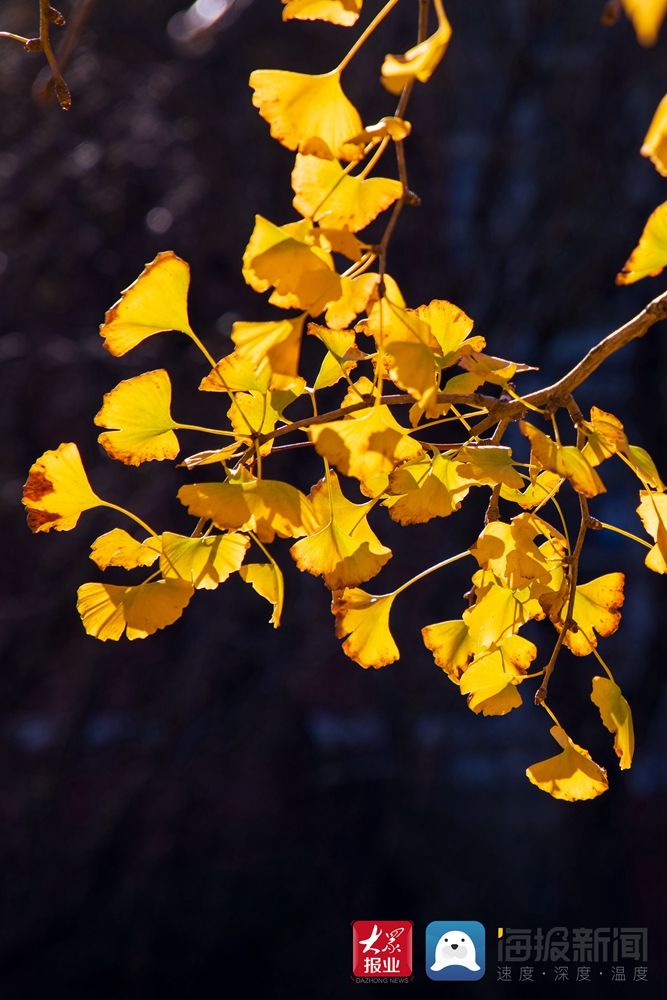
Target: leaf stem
(365,35)
(204,430)
(620,531)
(195,340)
(603,665)
(431,569)
(133,517)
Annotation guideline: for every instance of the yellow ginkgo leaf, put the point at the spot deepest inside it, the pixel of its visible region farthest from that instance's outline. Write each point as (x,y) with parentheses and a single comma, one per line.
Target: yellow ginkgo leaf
(418,63)
(571,775)
(491,680)
(343,12)
(424,488)
(205,562)
(107,610)
(254,413)
(498,612)
(451,646)
(237,373)
(268,507)
(510,553)
(137,415)
(344,551)
(644,467)
(595,609)
(356,293)
(277,342)
(57,490)
(498,371)
(300,107)
(545,484)
(649,257)
(605,435)
(450,329)
(213,456)
(267,580)
(616,717)
(488,465)
(412,366)
(388,127)
(565,460)
(364,446)
(157,301)
(653,513)
(647,17)
(326,194)
(364,619)
(341,357)
(655,143)
(302,274)
(118,548)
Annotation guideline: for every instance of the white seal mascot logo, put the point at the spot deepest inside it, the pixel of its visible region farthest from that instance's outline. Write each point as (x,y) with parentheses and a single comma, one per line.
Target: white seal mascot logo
(455,948)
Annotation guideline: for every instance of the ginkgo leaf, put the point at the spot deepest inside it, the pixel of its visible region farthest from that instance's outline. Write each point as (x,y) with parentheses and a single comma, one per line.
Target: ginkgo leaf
(510,553)
(302,274)
(605,436)
(498,612)
(267,580)
(497,371)
(364,619)
(213,456)
(655,143)
(451,646)
(595,609)
(300,107)
(356,293)
(237,373)
(343,12)
(344,551)
(565,460)
(279,342)
(205,562)
(268,507)
(644,467)
(252,414)
(649,257)
(137,414)
(491,680)
(426,487)
(325,193)
(571,775)
(450,328)
(616,717)
(107,610)
(418,63)
(57,490)
(156,302)
(364,446)
(488,465)
(118,548)
(388,127)
(653,513)
(544,485)
(341,357)
(647,17)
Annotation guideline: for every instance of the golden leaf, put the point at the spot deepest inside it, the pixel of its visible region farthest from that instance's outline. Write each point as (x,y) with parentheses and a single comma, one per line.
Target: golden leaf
(497,371)
(571,775)
(205,562)
(616,717)
(364,619)
(107,610)
(655,143)
(341,357)
(498,611)
(268,507)
(156,302)
(647,17)
(343,12)
(238,373)
(277,342)
(57,490)
(653,513)
(391,126)
(266,579)
(510,553)
(118,548)
(565,460)
(418,63)
(605,435)
(451,646)
(491,679)
(302,274)
(488,465)
(544,485)
(300,107)
(595,610)
(356,293)
(326,194)
(344,551)
(643,467)
(649,257)
(212,456)
(426,487)
(139,411)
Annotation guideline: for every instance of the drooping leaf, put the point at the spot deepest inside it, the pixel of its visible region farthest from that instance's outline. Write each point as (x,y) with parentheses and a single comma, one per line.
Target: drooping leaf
(364,619)
(571,775)
(326,194)
(491,680)
(647,17)
(595,610)
(644,467)
(655,143)
(616,716)
(565,460)
(418,63)
(653,513)
(156,302)
(277,342)
(425,487)
(305,111)
(649,257)
(268,507)
(267,580)
(388,127)
(137,415)
(498,611)
(107,611)
(205,562)
(57,490)
(343,12)
(451,646)
(118,548)
(344,551)
(356,293)
(605,436)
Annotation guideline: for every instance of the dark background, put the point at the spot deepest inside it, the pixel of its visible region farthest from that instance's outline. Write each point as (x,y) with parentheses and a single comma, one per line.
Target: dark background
(207,810)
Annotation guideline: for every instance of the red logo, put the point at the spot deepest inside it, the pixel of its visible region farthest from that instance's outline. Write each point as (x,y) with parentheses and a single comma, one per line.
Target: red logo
(381,949)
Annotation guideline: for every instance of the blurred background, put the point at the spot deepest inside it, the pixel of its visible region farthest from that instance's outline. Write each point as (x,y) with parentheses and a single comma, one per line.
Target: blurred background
(210,808)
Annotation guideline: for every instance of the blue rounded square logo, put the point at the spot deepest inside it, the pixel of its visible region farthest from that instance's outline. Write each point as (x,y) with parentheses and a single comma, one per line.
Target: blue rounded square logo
(455,951)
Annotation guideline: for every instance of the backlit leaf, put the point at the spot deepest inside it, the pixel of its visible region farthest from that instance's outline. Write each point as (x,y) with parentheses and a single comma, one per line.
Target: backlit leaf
(343,12)
(364,619)
(426,487)
(326,194)
(643,467)
(510,552)
(491,679)
(118,548)
(653,513)
(267,580)
(616,716)
(418,63)
(571,775)
(488,465)
(605,436)
(157,301)
(451,646)
(107,611)
(647,17)
(57,490)
(498,611)
(205,562)
(545,484)
(356,293)
(565,460)
(137,414)
(268,507)
(595,609)
(649,257)
(655,143)
(277,342)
